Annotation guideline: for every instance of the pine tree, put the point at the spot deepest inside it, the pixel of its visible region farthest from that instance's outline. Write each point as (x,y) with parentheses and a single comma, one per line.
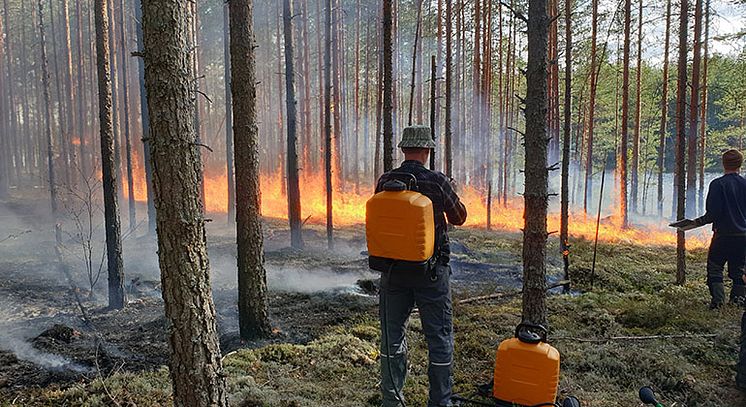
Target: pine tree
(252,279)
(195,369)
(681,139)
(536,173)
(296,239)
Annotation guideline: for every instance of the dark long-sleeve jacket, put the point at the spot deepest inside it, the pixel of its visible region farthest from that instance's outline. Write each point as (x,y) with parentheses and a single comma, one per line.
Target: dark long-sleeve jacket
(726,206)
(436,186)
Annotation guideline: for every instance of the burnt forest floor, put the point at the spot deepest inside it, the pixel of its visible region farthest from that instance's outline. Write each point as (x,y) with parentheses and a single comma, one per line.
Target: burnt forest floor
(61,346)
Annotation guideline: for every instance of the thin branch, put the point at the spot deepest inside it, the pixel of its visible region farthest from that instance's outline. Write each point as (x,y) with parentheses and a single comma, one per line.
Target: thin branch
(633,338)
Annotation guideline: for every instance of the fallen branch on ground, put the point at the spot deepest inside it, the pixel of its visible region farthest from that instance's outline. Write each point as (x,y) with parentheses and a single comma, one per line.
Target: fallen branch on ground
(14,236)
(506,294)
(632,338)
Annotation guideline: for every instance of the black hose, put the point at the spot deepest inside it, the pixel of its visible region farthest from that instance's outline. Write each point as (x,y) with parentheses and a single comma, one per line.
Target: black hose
(387,275)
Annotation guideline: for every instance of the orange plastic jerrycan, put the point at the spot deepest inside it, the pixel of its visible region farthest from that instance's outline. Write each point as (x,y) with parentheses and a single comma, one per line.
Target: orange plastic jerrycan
(399,228)
(527,368)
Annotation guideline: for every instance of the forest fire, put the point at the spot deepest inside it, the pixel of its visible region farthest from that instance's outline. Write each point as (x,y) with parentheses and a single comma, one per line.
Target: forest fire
(349,209)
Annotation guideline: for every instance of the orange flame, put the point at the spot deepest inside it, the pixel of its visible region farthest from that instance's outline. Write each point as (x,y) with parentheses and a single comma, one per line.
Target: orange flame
(349,209)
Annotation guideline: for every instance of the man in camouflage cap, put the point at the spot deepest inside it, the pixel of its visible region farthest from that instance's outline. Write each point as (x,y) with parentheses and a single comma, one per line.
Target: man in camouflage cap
(429,291)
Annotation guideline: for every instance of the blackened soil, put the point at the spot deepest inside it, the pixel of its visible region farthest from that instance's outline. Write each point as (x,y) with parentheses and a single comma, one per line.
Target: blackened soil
(54,334)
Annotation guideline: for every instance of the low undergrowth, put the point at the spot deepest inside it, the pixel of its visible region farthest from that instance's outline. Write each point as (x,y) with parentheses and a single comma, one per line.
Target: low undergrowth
(632,294)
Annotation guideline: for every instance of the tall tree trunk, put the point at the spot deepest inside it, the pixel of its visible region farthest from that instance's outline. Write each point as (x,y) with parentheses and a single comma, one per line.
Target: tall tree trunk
(681,141)
(308,133)
(51,172)
(68,73)
(196,370)
(635,170)
(623,147)
(378,160)
(591,109)
(703,109)
(413,83)
(536,198)
(328,124)
(228,115)
(82,99)
(12,136)
(476,108)
(296,239)
(356,144)
(567,125)
(125,122)
(194,46)
(662,132)
(108,168)
(4,126)
(145,120)
(64,135)
(433,108)
(448,165)
(691,167)
(252,280)
(388,95)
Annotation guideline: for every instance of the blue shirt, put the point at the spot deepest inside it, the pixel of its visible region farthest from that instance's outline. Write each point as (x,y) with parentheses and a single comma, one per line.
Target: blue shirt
(726,206)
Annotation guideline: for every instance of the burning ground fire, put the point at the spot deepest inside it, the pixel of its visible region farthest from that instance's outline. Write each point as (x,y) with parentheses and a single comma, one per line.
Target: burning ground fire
(349,209)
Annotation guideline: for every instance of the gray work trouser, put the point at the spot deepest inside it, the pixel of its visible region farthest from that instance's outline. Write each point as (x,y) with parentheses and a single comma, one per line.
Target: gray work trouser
(432,296)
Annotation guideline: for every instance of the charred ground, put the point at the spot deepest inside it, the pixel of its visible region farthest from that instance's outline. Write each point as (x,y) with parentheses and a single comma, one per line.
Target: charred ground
(324,349)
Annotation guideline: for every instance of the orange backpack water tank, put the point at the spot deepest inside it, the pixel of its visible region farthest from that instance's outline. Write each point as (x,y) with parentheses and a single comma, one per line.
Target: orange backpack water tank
(400,229)
(527,368)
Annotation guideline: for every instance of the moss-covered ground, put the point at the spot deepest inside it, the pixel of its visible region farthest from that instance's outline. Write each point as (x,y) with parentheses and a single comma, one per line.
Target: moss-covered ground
(632,295)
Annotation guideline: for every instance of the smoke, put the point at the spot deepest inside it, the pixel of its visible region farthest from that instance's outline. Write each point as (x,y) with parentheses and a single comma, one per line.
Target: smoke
(14,338)
(312,281)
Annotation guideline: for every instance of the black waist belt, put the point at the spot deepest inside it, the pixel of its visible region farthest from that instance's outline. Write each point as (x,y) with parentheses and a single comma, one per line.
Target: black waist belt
(384,264)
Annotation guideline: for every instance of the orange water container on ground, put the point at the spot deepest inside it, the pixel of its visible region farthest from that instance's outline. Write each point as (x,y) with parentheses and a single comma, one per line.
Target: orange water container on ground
(400,229)
(527,368)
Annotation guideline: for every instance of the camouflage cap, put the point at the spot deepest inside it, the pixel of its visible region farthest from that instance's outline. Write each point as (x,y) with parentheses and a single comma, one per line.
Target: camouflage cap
(416,137)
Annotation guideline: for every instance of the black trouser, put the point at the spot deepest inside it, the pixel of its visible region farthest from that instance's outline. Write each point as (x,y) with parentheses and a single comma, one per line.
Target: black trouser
(726,249)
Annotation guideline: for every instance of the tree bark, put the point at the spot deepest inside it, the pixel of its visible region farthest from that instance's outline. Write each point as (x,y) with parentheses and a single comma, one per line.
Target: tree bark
(296,239)
(433,108)
(703,109)
(108,168)
(328,124)
(252,280)
(51,172)
(413,83)
(125,123)
(4,126)
(635,170)
(68,72)
(662,132)
(448,164)
(691,168)
(567,124)
(388,95)
(196,372)
(681,141)
(145,120)
(228,115)
(624,144)
(536,174)
(591,108)
(82,116)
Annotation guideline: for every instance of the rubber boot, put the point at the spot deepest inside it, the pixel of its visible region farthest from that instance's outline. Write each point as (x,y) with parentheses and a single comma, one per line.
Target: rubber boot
(738,295)
(717,291)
